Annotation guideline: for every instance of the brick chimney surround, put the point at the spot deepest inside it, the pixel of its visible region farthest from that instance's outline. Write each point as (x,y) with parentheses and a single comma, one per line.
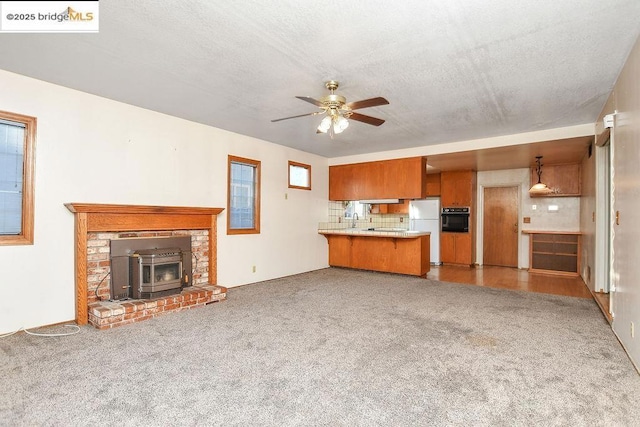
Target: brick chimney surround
(96,224)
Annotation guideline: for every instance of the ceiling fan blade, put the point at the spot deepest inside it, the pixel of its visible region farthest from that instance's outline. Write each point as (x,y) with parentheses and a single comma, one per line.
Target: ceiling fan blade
(373,102)
(300,115)
(311,100)
(366,119)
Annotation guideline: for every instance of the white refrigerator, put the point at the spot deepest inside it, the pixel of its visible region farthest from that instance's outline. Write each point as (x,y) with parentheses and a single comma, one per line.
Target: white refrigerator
(424,215)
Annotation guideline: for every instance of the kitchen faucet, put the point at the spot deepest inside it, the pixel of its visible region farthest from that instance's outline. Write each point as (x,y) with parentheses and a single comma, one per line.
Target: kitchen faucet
(355,218)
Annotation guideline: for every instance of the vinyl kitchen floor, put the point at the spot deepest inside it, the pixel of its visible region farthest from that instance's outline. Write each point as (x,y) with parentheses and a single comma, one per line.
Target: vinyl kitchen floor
(511,278)
(521,280)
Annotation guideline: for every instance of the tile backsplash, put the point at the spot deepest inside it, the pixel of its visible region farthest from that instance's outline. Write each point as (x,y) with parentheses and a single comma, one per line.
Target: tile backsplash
(340,217)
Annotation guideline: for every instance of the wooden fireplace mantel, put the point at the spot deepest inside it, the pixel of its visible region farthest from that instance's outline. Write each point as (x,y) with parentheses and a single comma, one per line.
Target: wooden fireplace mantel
(91,218)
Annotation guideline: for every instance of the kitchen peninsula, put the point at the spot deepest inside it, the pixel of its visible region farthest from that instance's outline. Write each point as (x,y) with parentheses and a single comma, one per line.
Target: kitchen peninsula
(386,250)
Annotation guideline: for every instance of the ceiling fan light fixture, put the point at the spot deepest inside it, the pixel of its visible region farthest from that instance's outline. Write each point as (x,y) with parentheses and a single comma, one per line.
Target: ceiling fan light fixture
(325,124)
(338,112)
(340,124)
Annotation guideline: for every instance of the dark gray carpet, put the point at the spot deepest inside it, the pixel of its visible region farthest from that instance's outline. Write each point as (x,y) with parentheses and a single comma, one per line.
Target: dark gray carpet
(333,347)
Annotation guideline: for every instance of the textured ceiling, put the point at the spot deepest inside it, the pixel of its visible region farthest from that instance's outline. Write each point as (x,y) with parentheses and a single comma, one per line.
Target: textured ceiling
(451,70)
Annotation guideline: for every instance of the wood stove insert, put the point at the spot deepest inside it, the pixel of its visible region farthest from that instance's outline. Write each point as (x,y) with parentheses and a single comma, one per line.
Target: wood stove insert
(144,268)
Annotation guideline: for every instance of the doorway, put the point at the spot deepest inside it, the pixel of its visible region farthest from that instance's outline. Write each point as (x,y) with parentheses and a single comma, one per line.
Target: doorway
(500,226)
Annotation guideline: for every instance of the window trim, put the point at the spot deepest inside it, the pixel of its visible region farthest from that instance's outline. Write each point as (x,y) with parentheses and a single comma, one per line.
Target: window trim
(28,185)
(302,165)
(256,196)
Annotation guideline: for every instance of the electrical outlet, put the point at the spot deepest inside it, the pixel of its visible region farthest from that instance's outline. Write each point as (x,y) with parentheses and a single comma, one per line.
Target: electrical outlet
(253,269)
(633,330)
(286,196)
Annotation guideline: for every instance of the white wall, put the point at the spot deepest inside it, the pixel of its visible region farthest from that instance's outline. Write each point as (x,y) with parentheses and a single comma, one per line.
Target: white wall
(565,219)
(625,139)
(91,149)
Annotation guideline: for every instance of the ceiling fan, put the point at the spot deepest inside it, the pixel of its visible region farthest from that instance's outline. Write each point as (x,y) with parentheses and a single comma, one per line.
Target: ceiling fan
(338,111)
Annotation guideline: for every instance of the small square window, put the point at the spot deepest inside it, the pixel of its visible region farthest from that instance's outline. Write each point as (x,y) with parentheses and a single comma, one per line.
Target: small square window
(299,175)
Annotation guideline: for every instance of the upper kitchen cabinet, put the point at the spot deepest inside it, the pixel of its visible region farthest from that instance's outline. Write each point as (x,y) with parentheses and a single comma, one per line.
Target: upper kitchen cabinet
(433,185)
(391,208)
(385,179)
(342,183)
(457,188)
(563,180)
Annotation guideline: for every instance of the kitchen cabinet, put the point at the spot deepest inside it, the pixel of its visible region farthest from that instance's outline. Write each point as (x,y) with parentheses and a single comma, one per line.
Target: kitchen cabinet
(456,248)
(344,184)
(433,184)
(554,252)
(457,188)
(563,180)
(391,208)
(385,179)
(380,253)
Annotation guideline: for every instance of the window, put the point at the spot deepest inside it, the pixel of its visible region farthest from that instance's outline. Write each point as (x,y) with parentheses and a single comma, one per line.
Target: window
(355,207)
(243,198)
(17,146)
(299,175)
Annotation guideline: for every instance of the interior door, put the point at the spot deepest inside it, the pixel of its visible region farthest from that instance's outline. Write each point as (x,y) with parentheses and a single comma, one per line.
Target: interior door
(500,226)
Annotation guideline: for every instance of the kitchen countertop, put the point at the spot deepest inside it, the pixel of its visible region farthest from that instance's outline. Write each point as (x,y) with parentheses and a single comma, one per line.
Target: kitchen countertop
(364,232)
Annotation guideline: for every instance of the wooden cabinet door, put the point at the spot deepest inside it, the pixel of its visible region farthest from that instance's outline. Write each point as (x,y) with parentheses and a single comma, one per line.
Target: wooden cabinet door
(379,209)
(407,177)
(464,189)
(463,248)
(398,208)
(457,188)
(341,182)
(455,248)
(433,185)
(339,251)
(566,179)
(372,180)
(447,189)
(447,247)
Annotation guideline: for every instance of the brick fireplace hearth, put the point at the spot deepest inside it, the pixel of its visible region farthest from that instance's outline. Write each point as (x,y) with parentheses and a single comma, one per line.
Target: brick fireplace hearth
(97,224)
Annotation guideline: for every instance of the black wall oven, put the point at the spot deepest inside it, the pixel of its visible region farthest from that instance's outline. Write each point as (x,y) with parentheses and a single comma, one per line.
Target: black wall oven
(455,220)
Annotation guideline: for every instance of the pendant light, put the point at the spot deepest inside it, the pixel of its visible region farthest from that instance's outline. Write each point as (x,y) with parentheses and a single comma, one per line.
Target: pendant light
(539,188)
